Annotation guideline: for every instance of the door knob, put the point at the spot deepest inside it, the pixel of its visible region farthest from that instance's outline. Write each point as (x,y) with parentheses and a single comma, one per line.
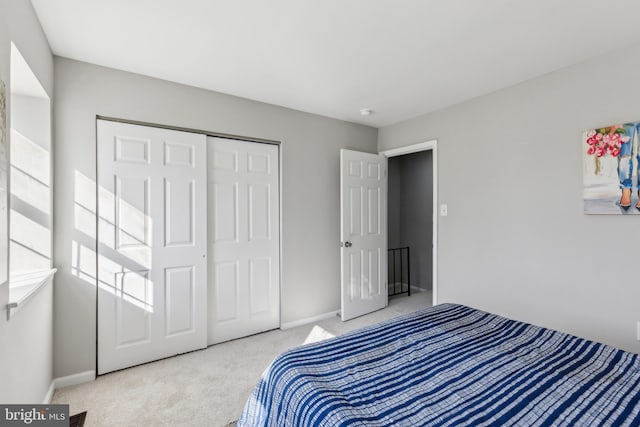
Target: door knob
(347,244)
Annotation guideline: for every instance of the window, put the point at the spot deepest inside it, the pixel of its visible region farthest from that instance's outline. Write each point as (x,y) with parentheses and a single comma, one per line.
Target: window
(30,172)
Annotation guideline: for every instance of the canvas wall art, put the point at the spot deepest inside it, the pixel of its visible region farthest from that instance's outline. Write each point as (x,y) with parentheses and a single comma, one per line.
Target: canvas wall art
(610,170)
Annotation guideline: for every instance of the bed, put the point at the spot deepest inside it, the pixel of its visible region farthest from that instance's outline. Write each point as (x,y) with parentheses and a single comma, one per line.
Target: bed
(449,365)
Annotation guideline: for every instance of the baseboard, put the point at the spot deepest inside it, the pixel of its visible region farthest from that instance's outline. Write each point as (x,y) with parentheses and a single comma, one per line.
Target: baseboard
(49,395)
(308,320)
(56,383)
(75,379)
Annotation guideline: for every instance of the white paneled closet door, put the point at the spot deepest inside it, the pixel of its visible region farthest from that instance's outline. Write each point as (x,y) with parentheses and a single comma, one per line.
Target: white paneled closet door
(152,244)
(244,238)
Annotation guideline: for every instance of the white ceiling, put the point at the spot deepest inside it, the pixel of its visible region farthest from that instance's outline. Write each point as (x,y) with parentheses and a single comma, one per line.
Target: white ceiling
(401,58)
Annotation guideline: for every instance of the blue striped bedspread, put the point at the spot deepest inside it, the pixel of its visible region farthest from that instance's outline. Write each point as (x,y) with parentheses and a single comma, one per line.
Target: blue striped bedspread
(449,365)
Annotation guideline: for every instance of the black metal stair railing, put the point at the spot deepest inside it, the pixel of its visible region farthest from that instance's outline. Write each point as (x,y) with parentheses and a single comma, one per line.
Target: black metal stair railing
(399,270)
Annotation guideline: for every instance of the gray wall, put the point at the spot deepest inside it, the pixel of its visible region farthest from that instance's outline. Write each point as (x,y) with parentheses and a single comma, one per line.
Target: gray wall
(31,117)
(25,340)
(310,187)
(516,241)
(410,212)
(394,202)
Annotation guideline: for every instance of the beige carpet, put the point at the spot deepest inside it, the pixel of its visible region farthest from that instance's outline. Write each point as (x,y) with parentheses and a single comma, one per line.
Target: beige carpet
(207,387)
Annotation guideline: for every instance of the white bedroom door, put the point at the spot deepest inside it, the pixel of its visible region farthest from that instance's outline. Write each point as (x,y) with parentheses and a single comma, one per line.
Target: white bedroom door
(363,232)
(244,247)
(152,234)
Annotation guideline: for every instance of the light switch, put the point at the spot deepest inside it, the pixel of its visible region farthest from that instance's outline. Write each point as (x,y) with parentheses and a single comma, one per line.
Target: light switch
(443,210)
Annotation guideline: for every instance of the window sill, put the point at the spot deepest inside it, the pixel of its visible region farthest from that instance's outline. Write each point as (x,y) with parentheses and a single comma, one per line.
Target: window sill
(22,287)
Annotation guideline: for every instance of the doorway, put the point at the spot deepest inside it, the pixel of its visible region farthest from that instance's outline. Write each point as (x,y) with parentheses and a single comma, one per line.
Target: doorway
(412,219)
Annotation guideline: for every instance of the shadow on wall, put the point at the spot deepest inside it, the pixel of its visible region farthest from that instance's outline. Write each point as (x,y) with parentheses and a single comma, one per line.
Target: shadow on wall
(124,237)
(30,215)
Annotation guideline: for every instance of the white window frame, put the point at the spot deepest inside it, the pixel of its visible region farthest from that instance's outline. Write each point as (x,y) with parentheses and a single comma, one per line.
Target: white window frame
(26,283)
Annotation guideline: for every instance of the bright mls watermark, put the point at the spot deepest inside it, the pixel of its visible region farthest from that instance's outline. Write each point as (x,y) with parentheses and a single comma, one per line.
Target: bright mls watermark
(34,415)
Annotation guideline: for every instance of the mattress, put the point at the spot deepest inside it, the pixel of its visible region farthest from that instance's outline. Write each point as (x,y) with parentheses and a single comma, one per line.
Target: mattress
(449,365)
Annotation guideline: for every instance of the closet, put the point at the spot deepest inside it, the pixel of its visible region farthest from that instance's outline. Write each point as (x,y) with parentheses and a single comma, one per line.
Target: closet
(188,241)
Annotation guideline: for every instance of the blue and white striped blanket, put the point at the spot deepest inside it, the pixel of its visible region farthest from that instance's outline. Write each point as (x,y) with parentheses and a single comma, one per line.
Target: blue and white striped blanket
(449,365)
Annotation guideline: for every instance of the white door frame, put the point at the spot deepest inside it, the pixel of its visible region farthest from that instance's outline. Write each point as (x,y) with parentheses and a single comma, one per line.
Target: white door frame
(416,148)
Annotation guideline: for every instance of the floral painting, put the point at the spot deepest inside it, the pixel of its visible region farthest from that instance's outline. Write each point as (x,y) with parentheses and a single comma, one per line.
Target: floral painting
(610,170)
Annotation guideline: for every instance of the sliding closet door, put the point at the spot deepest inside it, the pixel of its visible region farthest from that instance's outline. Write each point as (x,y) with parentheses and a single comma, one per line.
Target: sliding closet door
(244,239)
(152,271)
